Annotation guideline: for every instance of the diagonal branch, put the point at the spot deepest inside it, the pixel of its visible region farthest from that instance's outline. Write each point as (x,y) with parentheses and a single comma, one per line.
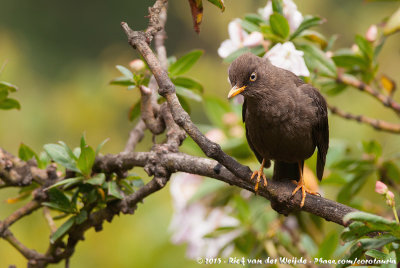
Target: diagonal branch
(375,123)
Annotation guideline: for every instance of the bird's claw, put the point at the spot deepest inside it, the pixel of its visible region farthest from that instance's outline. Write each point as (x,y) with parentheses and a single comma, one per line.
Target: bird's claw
(304,192)
(259,174)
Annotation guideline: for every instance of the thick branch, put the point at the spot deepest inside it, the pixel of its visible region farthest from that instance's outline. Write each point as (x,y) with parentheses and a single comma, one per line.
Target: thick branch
(279,193)
(375,123)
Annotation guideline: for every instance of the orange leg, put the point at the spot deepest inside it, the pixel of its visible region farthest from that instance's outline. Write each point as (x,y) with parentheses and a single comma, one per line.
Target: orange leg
(302,186)
(260,173)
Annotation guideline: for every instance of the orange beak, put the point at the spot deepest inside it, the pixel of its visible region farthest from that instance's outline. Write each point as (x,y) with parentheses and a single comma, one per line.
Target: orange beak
(235,91)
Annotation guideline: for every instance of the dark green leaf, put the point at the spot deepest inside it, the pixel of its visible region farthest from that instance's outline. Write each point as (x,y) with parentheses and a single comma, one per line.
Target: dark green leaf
(3,94)
(184,63)
(187,93)
(101,146)
(126,184)
(308,22)
(391,170)
(59,201)
(366,217)
(218,3)
(86,160)
(7,86)
(59,155)
(97,179)
(81,217)
(277,6)
(134,111)
(125,71)
(279,25)
(8,104)
(136,181)
(114,190)
(254,18)
(316,60)
(376,254)
(64,228)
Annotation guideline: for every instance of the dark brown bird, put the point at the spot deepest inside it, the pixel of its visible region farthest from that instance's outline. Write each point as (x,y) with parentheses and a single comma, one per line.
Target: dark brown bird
(285,119)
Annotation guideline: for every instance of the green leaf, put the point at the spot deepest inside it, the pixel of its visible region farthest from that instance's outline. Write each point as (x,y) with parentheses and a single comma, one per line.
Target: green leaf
(134,111)
(81,217)
(64,228)
(122,81)
(366,217)
(59,155)
(277,6)
(97,179)
(332,88)
(101,145)
(316,38)
(348,59)
(187,93)
(242,208)
(365,47)
(26,153)
(215,109)
(125,71)
(188,83)
(184,63)
(68,150)
(136,181)
(376,254)
(328,246)
(69,181)
(254,18)
(249,26)
(3,94)
(316,60)
(279,25)
(9,103)
(390,169)
(86,160)
(372,147)
(393,24)
(114,190)
(7,86)
(218,3)
(308,22)
(185,104)
(59,201)
(44,160)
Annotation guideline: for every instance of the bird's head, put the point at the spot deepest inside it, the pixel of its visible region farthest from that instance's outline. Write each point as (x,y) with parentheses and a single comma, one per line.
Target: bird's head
(246,75)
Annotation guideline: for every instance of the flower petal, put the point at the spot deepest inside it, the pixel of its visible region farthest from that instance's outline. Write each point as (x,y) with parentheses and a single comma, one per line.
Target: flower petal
(226,48)
(254,39)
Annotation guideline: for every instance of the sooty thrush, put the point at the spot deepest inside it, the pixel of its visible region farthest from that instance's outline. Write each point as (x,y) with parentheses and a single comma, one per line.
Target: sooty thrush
(285,119)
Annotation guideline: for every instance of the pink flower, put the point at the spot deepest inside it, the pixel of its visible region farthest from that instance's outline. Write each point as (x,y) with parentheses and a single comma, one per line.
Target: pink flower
(137,65)
(381,188)
(287,57)
(371,33)
(238,38)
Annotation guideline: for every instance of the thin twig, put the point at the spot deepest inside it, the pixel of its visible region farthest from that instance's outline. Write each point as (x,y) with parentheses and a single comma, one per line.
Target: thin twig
(135,136)
(18,214)
(375,123)
(385,100)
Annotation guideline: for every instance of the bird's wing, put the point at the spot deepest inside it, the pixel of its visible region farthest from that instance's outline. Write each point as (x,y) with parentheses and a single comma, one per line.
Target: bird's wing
(259,157)
(320,131)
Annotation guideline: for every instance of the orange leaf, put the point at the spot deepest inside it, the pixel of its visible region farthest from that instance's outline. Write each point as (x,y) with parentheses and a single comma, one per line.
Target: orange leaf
(388,84)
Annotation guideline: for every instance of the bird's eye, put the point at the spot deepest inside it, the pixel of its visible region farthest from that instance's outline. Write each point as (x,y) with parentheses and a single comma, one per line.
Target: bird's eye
(253,77)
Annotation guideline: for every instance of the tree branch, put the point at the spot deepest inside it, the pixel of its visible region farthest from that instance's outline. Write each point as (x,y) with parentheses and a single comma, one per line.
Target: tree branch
(375,123)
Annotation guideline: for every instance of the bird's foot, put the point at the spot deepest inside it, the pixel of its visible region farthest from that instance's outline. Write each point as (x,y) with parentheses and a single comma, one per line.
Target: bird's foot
(259,174)
(304,191)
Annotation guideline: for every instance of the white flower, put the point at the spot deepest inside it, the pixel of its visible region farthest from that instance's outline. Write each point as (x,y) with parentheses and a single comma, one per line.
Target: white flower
(193,220)
(286,56)
(290,12)
(371,33)
(238,38)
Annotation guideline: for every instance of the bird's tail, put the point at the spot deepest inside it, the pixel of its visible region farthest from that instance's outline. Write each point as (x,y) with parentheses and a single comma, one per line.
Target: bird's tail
(286,171)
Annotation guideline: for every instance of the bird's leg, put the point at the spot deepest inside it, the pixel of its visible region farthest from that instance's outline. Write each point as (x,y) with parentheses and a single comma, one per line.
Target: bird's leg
(260,173)
(301,184)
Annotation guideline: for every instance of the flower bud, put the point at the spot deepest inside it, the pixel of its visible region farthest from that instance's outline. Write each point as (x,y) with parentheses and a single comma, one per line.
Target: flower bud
(137,65)
(371,33)
(390,199)
(381,188)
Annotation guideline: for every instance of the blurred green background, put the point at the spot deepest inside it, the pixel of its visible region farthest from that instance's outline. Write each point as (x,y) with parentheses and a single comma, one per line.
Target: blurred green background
(61,55)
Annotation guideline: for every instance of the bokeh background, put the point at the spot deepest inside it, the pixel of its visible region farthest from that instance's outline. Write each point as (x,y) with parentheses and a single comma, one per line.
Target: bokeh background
(61,55)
